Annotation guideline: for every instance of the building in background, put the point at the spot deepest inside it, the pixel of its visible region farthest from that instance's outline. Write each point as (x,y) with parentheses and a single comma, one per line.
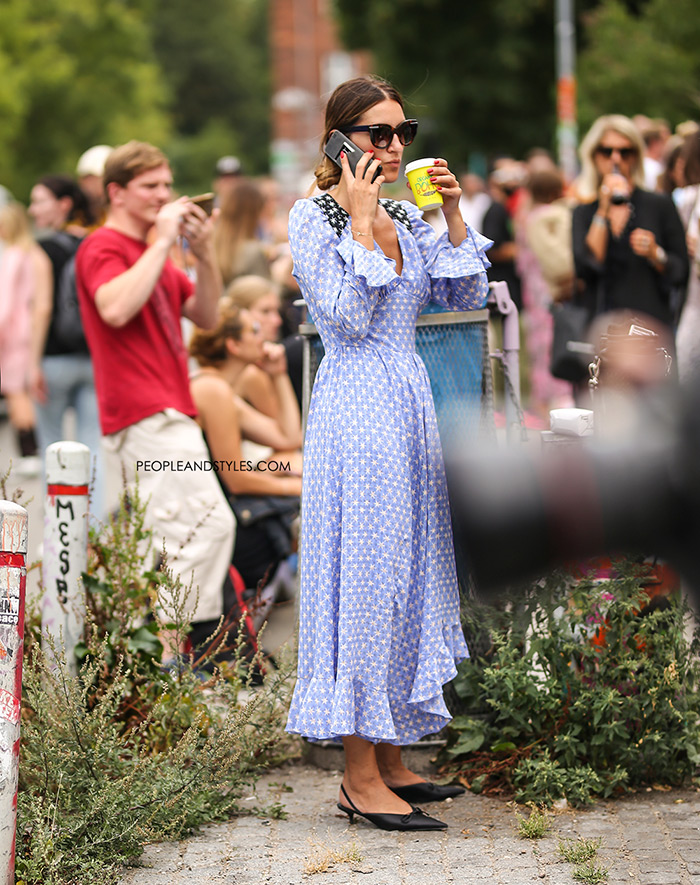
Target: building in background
(307,64)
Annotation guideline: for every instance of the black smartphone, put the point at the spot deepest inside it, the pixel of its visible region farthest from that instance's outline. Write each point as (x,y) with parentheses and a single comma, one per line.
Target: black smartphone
(204,201)
(339,142)
(618,198)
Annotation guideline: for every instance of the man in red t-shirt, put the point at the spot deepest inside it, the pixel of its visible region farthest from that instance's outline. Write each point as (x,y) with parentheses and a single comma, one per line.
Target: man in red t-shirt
(131,300)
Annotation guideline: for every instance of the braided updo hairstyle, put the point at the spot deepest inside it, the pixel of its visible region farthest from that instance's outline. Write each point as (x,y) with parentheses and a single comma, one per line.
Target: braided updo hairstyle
(208,346)
(346,105)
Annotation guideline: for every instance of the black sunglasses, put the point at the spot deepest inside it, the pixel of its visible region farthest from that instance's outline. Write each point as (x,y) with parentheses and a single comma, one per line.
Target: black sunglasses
(625,152)
(382,134)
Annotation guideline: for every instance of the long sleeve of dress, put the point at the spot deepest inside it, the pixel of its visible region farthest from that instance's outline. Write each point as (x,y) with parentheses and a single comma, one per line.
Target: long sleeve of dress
(457,273)
(344,287)
(586,266)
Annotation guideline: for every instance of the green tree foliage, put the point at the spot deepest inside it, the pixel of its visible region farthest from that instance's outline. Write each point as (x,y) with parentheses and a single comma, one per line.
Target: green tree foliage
(481,76)
(641,62)
(216,63)
(73,73)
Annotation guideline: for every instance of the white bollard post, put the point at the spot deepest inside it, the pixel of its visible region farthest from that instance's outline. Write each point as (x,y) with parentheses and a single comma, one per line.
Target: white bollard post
(65,545)
(13,578)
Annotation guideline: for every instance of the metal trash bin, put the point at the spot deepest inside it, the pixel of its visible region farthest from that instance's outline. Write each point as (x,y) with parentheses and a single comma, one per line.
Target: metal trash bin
(454,347)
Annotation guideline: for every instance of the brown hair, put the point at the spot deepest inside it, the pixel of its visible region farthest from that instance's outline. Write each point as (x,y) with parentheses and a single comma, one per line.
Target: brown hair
(346,105)
(238,221)
(245,291)
(690,152)
(208,346)
(674,153)
(131,159)
(546,185)
(64,186)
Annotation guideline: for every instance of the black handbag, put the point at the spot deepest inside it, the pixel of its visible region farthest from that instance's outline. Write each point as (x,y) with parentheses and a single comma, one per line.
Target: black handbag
(273,513)
(251,509)
(571,353)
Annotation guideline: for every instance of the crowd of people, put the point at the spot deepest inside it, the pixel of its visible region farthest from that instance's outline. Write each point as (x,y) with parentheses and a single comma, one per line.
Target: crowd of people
(171,333)
(115,307)
(620,237)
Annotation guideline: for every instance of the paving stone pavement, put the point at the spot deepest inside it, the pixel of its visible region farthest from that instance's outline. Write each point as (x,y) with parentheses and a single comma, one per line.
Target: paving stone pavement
(650,838)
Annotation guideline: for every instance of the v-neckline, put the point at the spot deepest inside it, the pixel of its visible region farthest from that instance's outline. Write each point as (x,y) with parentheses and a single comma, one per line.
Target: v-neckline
(397,225)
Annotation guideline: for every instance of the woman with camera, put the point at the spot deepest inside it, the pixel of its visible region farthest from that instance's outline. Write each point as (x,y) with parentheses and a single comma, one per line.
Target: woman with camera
(629,244)
(379,606)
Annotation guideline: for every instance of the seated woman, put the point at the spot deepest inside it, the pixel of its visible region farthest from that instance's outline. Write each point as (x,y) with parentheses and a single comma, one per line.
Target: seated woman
(223,354)
(262,298)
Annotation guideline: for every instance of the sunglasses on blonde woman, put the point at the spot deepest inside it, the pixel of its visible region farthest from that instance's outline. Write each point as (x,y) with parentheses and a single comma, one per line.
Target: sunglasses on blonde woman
(626,152)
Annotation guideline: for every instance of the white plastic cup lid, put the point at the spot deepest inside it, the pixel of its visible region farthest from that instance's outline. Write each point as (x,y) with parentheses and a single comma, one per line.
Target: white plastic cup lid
(419,164)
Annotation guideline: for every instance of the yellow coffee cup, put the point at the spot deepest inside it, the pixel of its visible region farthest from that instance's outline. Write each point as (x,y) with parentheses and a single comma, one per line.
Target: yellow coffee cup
(426,194)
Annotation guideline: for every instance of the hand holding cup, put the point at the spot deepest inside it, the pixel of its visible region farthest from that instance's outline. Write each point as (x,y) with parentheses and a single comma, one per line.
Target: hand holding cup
(433,185)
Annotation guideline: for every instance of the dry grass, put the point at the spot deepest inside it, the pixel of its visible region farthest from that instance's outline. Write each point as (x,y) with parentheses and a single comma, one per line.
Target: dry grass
(323,857)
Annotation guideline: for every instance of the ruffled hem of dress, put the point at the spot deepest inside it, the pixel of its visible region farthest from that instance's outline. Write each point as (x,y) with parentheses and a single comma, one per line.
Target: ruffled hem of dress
(314,719)
(437,669)
(371,266)
(324,709)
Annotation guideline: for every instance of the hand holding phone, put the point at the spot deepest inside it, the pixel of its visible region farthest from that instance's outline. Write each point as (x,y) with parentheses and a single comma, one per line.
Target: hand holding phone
(339,142)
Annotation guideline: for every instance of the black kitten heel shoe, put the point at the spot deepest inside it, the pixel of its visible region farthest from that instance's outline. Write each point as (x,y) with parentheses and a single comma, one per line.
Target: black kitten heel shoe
(414,820)
(424,791)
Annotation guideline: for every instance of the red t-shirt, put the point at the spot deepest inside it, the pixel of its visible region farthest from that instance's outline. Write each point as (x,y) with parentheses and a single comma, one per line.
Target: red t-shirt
(140,368)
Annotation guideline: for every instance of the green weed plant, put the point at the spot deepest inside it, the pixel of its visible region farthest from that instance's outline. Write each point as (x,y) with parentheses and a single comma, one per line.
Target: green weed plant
(590,873)
(579,851)
(577,689)
(128,752)
(535,826)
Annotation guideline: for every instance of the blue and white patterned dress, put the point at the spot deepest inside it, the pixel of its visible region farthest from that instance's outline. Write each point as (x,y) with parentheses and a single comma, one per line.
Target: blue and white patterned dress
(379,622)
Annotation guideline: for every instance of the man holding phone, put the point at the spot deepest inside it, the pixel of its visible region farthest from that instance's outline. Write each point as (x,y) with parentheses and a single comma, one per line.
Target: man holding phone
(131,299)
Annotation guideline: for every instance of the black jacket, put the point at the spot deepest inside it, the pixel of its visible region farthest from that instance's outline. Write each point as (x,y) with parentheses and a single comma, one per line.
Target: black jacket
(626,280)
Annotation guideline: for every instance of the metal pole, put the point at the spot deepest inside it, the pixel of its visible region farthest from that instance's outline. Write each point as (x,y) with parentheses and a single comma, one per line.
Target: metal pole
(567,130)
(499,295)
(65,546)
(13,578)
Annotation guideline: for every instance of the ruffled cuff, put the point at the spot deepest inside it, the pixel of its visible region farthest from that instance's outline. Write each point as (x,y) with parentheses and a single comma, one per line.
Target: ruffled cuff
(373,267)
(446,262)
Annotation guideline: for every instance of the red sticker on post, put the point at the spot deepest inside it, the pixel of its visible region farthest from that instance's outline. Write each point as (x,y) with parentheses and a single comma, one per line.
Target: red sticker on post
(56,489)
(9,707)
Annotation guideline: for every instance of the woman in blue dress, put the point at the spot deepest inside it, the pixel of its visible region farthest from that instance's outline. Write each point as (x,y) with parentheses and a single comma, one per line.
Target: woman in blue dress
(379,623)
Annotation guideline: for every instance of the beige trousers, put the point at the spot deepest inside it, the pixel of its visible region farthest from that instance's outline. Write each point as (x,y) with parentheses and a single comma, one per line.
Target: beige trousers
(185,509)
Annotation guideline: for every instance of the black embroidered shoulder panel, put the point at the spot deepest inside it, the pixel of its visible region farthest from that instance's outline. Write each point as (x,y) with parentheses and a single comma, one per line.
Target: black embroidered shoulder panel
(337,217)
(395,210)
